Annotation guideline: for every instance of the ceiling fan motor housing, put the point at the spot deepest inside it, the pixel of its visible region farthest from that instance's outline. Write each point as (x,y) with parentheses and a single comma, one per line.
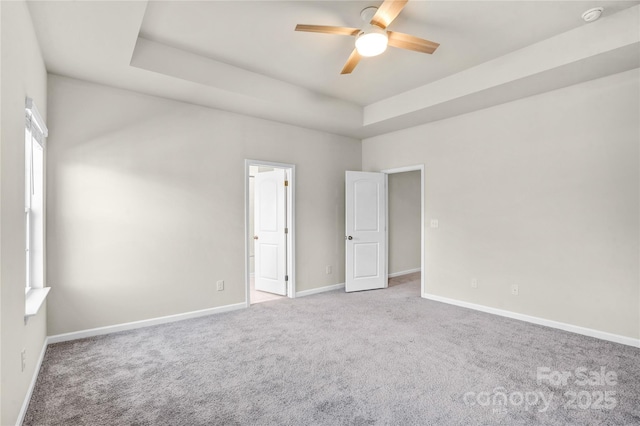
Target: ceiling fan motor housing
(368,13)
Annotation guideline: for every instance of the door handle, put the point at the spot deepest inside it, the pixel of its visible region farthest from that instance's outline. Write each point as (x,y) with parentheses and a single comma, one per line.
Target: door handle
(255,237)
(348,238)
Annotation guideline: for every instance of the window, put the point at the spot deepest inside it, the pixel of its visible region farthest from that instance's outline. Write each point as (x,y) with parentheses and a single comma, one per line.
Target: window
(34,144)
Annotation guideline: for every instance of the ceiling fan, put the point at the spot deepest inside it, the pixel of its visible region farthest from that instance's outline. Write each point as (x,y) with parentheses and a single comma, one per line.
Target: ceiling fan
(373,39)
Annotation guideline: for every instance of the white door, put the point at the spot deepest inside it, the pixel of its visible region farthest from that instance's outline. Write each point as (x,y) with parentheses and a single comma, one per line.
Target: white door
(270,239)
(366,235)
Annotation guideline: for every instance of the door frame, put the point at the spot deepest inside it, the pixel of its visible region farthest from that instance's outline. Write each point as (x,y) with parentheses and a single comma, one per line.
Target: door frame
(413,168)
(291,212)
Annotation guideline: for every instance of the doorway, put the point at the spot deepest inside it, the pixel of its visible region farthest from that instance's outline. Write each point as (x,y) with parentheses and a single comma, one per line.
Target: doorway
(405,184)
(269,231)
(403,212)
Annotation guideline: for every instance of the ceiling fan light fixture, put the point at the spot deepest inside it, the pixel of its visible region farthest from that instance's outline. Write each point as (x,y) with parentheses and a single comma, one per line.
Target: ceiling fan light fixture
(372,41)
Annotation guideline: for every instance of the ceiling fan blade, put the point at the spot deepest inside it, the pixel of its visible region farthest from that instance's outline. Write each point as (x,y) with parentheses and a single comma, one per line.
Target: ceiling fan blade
(409,42)
(387,12)
(328,29)
(353,60)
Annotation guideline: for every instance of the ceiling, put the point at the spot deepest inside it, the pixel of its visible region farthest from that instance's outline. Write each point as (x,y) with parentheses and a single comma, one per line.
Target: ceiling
(259,36)
(245,57)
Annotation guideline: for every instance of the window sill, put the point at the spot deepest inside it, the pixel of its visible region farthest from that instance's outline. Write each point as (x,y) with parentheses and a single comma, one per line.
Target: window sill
(34,300)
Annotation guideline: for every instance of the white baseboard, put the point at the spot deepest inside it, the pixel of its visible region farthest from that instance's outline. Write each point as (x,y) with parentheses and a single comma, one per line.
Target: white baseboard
(319,290)
(32,385)
(401,273)
(540,321)
(144,323)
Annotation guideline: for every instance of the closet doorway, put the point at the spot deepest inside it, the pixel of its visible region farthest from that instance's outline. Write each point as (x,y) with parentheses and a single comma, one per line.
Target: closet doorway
(405,227)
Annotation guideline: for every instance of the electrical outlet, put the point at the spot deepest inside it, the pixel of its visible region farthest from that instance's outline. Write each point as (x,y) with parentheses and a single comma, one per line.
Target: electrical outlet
(474,283)
(220,285)
(434,223)
(23,359)
(329,269)
(514,289)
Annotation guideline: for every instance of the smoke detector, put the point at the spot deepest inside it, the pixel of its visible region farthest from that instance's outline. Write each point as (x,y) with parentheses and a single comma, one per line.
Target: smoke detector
(592,14)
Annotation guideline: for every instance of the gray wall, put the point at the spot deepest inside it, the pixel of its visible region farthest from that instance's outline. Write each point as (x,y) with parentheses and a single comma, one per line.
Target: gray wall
(404,221)
(543,193)
(23,74)
(146,203)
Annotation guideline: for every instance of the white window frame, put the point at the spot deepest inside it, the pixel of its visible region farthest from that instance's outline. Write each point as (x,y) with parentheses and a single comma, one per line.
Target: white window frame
(35,133)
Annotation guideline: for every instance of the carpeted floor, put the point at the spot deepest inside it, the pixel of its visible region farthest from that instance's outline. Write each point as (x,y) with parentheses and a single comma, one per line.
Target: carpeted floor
(382,357)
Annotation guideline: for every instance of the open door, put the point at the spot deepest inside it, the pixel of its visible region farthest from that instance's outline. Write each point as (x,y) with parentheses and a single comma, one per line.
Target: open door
(366,239)
(270,239)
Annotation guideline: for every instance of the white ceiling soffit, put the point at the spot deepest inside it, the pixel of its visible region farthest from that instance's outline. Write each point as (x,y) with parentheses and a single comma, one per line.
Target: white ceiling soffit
(243,56)
(235,89)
